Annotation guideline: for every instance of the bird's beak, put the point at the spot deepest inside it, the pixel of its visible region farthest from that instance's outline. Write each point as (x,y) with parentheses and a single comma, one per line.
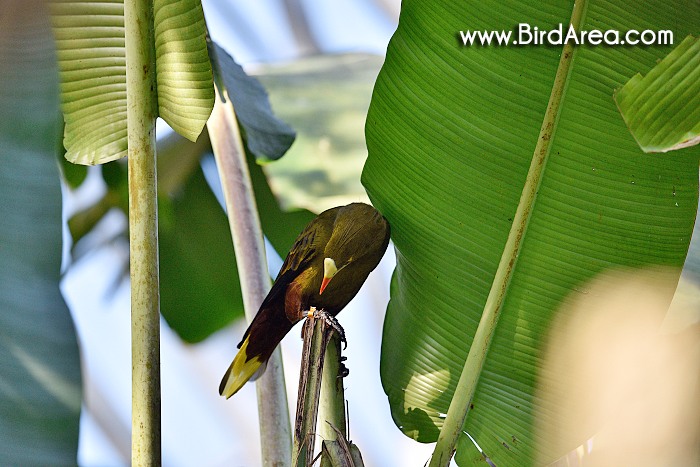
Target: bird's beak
(329,270)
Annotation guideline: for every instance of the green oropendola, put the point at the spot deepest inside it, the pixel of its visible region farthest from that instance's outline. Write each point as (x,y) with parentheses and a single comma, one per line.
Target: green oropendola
(325,269)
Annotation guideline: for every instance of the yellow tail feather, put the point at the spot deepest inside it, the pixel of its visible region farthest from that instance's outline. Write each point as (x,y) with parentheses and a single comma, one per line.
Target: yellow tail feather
(240,371)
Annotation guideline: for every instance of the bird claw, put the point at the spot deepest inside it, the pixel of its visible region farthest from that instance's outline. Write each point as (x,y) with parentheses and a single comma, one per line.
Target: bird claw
(331,321)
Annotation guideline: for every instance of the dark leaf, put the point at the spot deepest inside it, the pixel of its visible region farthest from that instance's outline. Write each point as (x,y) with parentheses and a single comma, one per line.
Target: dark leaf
(200,292)
(266,136)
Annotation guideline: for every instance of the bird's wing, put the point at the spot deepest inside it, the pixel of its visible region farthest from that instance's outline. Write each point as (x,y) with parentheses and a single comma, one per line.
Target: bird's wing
(308,245)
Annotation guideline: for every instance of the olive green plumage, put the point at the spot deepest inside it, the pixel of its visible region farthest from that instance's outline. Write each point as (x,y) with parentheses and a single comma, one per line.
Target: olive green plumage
(342,245)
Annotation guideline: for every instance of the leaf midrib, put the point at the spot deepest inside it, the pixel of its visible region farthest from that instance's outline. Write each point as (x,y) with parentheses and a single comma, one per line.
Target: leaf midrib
(466,386)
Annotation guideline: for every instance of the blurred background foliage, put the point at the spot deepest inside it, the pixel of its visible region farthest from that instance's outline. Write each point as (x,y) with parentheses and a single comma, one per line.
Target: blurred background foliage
(325,98)
(40,372)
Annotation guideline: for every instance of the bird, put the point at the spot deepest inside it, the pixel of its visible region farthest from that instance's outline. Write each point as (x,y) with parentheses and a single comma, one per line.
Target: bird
(325,268)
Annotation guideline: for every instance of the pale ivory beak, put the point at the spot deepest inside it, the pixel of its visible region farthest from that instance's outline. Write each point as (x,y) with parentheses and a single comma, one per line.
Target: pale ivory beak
(329,270)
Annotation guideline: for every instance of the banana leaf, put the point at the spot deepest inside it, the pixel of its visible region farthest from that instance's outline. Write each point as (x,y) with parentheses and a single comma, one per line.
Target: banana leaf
(92,62)
(452,132)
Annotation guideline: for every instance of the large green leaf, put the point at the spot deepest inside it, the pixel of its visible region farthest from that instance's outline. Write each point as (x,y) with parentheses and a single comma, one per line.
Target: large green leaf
(451,134)
(40,388)
(200,293)
(92,62)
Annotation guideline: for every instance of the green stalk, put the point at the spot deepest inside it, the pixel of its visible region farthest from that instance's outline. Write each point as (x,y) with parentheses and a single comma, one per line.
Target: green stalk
(341,453)
(312,356)
(275,431)
(331,410)
(143,232)
(319,386)
(464,392)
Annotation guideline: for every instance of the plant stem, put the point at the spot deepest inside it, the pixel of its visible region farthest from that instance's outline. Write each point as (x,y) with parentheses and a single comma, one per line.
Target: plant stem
(332,404)
(316,337)
(464,392)
(332,417)
(143,232)
(275,431)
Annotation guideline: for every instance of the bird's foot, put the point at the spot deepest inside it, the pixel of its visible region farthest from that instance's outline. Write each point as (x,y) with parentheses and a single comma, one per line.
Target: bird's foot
(331,321)
(343,371)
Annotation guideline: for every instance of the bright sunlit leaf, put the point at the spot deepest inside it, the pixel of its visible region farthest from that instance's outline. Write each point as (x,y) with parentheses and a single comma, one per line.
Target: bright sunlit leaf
(662,109)
(92,63)
(451,134)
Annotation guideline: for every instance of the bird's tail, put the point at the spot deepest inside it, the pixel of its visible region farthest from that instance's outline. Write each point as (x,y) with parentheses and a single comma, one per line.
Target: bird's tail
(240,371)
(260,340)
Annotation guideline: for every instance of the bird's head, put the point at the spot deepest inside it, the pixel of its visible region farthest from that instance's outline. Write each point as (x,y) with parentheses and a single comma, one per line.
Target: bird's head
(359,232)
